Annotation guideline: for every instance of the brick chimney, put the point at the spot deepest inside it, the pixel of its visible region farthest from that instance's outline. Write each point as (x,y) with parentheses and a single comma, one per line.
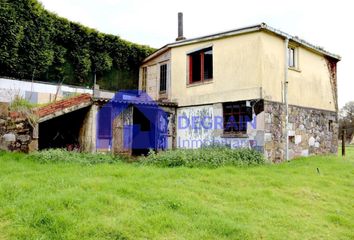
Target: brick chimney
(180,27)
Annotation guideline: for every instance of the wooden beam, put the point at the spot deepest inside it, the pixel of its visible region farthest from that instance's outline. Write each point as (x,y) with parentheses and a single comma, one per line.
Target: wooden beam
(202,66)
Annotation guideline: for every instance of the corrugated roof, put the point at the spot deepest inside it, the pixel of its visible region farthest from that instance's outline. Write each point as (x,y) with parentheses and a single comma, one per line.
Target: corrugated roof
(152,103)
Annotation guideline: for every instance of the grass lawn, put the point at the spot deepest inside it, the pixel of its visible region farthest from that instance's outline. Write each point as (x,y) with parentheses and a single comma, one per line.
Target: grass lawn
(126,201)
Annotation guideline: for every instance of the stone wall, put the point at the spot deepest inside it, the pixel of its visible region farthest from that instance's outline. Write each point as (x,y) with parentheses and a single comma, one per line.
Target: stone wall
(16,133)
(310,131)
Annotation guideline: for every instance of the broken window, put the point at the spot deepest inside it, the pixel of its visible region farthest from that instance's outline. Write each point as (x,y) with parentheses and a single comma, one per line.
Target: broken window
(163,77)
(201,65)
(236,116)
(291,57)
(143,80)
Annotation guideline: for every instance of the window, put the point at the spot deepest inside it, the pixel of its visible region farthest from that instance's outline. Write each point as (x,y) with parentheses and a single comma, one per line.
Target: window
(291,57)
(163,77)
(236,117)
(201,65)
(143,80)
(330,125)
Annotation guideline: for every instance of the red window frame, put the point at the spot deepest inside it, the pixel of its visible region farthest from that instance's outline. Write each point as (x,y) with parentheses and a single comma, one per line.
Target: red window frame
(202,67)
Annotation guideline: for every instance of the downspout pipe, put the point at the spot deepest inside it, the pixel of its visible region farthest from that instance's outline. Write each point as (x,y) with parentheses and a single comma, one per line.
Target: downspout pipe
(286,103)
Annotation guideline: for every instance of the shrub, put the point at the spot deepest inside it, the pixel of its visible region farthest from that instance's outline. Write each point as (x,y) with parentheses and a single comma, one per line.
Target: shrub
(24,108)
(204,157)
(20,104)
(61,155)
(38,44)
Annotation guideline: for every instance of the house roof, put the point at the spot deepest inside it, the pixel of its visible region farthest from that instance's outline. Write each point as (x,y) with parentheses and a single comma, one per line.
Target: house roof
(249,29)
(134,97)
(134,102)
(64,106)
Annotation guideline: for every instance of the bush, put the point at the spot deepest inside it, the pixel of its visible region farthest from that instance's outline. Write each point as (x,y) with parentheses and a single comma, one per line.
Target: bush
(21,104)
(204,157)
(61,155)
(38,44)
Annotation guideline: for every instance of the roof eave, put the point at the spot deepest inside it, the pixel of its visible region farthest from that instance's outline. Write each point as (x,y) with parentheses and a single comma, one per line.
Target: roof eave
(244,30)
(249,29)
(156,53)
(301,42)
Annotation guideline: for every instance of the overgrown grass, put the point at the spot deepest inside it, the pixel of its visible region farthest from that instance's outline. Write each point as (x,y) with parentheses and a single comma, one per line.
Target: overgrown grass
(20,104)
(63,156)
(204,157)
(123,201)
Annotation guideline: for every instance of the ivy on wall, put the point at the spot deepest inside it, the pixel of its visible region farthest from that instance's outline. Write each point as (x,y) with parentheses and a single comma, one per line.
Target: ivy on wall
(38,44)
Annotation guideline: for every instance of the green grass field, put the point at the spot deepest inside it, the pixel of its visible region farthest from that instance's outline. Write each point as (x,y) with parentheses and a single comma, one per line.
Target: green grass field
(126,201)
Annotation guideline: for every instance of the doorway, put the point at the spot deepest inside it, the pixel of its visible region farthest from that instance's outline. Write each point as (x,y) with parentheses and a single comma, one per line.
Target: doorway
(62,131)
(144,130)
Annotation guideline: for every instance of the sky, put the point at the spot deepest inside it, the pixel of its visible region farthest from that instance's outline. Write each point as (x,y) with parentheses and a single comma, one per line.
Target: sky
(154,22)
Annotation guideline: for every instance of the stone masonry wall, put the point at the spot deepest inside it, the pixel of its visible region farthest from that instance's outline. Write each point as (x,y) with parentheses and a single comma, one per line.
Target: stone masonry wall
(310,131)
(16,133)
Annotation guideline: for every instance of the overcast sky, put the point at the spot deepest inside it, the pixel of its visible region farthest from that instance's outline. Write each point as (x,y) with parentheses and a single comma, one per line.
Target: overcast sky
(154,22)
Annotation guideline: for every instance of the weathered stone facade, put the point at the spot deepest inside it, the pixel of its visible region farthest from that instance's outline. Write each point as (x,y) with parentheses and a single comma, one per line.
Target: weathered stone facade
(16,132)
(310,131)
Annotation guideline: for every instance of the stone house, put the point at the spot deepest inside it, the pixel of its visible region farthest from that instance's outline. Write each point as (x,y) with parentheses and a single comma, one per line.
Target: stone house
(254,87)
(280,91)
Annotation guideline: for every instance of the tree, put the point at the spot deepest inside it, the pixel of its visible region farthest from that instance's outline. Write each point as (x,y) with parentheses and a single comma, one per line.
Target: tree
(346,120)
(11,34)
(37,43)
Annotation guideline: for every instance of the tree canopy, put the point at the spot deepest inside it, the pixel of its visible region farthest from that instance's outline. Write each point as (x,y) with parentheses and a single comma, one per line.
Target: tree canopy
(346,120)
(37,44)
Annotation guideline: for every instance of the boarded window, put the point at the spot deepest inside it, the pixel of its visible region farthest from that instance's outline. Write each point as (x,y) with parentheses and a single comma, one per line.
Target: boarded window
(201,65)
(163,77)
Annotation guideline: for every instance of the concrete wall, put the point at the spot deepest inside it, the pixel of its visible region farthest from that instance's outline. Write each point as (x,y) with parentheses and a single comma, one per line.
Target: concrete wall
(36,92)
(236,71)
(153,76)
(209,132)
(87,135)
(249,66)
(309,83)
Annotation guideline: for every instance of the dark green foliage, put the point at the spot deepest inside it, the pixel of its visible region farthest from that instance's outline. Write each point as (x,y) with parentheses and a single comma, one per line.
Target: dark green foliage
(35,43)
(63,156)
(204,157)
